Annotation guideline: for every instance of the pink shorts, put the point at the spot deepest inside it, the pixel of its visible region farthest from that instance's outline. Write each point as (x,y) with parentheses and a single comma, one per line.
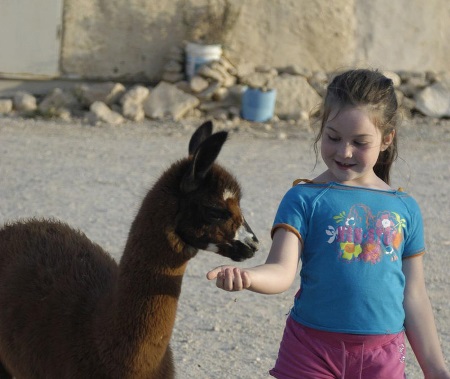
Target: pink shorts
(314,354)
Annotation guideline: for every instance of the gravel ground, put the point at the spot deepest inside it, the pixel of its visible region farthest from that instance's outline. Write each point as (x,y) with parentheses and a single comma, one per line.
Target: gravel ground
(95,177)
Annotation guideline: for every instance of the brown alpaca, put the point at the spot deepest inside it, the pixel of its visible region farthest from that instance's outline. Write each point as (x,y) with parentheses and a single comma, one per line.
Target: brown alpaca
(67,310)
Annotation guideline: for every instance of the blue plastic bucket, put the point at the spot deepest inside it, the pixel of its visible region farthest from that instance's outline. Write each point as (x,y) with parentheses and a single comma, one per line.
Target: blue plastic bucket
(258,105)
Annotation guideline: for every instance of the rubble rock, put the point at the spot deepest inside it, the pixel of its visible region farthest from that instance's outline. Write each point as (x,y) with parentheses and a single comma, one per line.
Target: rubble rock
(266,70)
(184,86)
(208,93)
(101,112)
(434,101)
(227,77)
(221,94)
(133,111)
(166,100)
(230,67)
(135,94)
(6,105)
(198,83)
(412,82)
(58,103)
(24,102)
(210,73)
(108,92)
(294,96)
(319,81)
(133,103)
(263,80)
(294,70)
(394,77)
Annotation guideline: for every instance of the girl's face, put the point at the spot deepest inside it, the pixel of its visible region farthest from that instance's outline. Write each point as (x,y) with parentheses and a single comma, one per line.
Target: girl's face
(350,146)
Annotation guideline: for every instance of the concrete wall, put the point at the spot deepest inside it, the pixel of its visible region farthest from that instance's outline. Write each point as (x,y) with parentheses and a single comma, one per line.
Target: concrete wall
(131,39)
(118,38)
(411,35)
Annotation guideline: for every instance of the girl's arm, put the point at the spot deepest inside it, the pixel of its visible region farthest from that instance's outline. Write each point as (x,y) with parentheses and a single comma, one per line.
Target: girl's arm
(419,322)
(275,276)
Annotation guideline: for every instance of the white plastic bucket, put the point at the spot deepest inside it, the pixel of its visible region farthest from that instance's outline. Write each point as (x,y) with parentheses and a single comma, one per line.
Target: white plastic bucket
(197,55)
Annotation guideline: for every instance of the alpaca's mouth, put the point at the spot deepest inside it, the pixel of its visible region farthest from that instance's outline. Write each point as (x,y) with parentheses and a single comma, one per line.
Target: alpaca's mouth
(252,243)
(235,250)
(242,251)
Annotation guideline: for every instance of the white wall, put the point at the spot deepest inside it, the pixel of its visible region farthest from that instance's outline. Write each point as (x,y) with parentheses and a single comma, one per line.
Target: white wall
(30,35)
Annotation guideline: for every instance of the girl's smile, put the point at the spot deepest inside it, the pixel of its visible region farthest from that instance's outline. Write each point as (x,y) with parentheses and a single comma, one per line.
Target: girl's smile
(344,166)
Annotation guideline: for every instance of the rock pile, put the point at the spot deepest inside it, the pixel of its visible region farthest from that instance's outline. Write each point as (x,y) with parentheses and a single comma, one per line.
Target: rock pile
(215,92)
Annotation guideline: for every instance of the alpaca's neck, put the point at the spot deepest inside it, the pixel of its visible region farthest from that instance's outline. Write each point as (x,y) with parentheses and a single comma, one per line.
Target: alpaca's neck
(144,307)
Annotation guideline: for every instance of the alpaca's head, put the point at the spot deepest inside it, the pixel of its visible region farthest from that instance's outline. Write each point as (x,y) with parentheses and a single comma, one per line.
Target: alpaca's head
(209,215)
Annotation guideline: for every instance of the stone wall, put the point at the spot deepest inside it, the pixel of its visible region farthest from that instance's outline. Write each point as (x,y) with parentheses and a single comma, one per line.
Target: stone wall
(131,39)
(216,92)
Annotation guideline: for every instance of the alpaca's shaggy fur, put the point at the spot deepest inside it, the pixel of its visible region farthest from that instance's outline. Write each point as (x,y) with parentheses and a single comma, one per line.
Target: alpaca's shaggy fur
(67,310)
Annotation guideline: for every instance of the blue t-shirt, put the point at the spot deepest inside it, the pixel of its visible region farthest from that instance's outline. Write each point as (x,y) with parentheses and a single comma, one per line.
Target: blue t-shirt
(354,240)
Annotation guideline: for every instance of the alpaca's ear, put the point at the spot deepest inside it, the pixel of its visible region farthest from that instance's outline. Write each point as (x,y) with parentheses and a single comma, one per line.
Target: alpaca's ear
(201,134)
(202,161)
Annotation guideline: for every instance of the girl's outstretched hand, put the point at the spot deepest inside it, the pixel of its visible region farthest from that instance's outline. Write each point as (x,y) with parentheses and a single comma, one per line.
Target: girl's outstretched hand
(230,278)
(274,276)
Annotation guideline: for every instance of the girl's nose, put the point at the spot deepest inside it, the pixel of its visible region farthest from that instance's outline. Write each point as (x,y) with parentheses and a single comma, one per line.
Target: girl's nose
(345,150)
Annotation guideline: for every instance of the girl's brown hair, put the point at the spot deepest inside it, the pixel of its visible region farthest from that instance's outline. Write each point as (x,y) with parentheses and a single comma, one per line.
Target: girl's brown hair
(375,92)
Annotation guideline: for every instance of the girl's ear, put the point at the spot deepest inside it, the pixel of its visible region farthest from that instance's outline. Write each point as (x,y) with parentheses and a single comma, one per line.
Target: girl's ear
(387,140)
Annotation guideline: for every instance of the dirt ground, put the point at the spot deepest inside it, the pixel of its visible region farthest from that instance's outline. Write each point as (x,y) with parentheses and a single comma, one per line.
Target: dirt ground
(95,177)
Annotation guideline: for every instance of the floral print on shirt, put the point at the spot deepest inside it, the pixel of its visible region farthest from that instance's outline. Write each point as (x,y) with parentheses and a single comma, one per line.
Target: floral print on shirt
(361,235)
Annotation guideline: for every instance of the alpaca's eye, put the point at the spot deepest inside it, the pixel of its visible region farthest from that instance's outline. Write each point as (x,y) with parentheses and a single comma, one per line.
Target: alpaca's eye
(217,214)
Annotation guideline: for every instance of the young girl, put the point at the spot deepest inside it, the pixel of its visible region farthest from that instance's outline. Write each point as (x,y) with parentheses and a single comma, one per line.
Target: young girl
(361,244)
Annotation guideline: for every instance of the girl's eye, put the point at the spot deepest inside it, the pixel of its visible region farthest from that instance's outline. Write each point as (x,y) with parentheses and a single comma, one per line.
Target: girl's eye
(360,143)
(334,139)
